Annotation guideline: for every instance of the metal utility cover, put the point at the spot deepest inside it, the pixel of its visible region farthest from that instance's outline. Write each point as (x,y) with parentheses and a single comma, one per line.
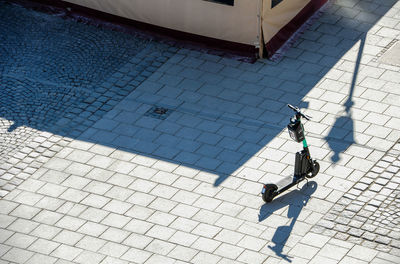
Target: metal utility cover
(392,55)
(158,112)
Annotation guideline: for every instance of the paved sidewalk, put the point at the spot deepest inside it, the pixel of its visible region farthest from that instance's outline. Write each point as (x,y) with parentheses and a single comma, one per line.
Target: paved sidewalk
(128,151)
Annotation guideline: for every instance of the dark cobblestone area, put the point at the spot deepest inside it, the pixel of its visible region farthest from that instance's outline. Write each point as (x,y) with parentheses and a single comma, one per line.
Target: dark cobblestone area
(369,213)
(60,51)
(61,76)
(28,103)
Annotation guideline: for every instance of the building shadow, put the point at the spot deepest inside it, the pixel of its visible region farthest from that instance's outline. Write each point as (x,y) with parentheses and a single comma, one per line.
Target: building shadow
(221,114)
(297,200)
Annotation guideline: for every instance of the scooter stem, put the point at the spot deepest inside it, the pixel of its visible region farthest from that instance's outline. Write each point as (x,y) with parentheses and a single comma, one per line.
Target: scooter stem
(305,147)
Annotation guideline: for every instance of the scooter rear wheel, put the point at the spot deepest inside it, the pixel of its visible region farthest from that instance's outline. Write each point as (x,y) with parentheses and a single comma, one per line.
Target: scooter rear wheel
(315,171)
(269,192)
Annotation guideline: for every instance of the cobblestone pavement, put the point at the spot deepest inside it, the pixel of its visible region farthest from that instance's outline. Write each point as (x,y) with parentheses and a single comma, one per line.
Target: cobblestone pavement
(69,77)
(119,150)
(369,212)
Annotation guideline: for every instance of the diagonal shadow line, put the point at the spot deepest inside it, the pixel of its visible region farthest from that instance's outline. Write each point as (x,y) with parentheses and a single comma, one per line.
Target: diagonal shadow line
(293,96)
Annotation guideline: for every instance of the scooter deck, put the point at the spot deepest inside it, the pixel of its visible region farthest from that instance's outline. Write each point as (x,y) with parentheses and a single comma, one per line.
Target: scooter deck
(288,182)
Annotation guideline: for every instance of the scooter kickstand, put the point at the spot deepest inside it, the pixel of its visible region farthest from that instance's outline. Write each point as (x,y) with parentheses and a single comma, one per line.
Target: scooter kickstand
(305,178)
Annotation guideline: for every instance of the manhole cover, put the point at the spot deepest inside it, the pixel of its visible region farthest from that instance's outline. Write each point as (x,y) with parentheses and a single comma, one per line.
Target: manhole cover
(158,112)
(391,54)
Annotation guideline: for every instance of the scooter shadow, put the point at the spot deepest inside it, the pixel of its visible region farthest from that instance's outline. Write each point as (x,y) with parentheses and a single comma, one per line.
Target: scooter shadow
(296,200)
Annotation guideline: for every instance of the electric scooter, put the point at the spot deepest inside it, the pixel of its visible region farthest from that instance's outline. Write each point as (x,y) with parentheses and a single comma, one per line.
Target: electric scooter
(304,167)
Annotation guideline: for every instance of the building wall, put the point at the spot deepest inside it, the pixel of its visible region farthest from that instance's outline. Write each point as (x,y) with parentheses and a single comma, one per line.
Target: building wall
(277,14)
(281,18)
(238,23)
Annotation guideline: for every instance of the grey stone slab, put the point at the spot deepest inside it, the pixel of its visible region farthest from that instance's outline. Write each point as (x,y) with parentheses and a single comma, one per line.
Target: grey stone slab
(115,220)
(160,247)
(183,253)
(391,56)
(66,252)
(20,240)
(92,229)
(39,258)
(43,246)
(17,255)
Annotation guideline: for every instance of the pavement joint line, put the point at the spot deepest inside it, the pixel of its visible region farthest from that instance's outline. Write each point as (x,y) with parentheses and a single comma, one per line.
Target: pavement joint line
(202,169)
(244,193)
(154,238)
(251,122)
(158,183)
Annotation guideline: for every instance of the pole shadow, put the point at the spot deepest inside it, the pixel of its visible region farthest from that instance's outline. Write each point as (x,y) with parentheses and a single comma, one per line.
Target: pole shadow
(297,200)
(345,122)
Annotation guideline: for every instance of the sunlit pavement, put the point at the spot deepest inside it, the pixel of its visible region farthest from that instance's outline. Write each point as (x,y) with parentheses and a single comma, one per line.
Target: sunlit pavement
(116,149)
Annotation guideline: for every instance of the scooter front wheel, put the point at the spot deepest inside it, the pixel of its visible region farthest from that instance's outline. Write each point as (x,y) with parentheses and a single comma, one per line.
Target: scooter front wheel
(315,171)
(268,192)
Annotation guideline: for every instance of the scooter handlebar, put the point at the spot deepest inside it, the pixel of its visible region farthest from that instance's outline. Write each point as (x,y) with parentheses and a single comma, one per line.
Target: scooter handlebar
(296,109)
(298,112)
